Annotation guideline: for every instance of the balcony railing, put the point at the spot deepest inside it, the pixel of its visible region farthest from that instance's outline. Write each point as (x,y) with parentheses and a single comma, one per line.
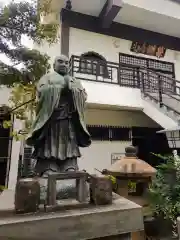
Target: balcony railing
(94,71)
(152,83)
(122,74)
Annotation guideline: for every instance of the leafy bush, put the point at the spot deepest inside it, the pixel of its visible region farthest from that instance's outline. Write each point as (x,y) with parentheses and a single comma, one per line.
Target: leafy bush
(27,66)
(164,192)
(2,188)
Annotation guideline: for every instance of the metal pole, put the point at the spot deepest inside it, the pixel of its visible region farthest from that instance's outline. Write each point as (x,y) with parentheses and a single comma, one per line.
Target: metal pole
(160,91)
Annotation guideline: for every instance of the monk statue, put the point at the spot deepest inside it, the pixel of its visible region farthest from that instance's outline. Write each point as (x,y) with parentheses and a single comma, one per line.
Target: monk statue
(59,128)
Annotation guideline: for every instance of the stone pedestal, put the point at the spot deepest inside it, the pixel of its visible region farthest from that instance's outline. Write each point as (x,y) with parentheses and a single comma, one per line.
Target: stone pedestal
(109,222)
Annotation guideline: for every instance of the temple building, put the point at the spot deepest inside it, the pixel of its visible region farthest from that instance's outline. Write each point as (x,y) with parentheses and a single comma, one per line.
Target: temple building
(127,55)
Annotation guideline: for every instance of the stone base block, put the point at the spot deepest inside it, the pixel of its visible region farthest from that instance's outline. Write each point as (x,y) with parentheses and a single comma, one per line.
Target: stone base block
(93,222)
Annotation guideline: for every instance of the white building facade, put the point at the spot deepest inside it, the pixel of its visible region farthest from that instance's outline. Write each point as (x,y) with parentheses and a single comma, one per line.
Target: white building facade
(127,55)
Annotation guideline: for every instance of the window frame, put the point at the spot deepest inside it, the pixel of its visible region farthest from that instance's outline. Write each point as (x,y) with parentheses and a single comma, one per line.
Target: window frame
(93,64)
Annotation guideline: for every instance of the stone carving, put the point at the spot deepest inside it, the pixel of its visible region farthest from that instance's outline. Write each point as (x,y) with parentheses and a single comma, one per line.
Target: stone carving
(59,128)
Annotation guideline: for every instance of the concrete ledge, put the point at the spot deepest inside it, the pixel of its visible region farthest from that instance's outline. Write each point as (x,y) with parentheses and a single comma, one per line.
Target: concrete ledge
(123,216)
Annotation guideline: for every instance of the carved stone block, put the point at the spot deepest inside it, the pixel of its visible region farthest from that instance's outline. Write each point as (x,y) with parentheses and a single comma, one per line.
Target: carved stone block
(100,191)
(27,195)
(80,186)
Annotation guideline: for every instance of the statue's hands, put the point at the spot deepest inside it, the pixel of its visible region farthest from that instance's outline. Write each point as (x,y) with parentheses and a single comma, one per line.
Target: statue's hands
(67,80)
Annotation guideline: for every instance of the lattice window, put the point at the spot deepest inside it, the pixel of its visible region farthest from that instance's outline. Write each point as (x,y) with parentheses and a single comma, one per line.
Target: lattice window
(132,77)
(109,133)
(160,66)
(93,63)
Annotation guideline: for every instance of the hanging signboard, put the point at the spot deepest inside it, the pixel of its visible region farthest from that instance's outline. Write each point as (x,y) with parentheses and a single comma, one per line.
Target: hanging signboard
(148,49)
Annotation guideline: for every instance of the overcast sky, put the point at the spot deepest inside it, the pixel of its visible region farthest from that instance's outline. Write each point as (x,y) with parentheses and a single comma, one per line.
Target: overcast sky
(25,40)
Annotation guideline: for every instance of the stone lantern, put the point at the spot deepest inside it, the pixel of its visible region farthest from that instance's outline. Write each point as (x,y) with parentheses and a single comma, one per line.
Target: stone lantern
(132,171)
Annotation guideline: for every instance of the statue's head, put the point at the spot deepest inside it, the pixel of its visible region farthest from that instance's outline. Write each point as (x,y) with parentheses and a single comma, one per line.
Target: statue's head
(61,65)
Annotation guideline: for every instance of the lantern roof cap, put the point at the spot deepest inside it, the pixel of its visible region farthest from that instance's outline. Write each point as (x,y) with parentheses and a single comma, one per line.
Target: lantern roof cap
(130,164)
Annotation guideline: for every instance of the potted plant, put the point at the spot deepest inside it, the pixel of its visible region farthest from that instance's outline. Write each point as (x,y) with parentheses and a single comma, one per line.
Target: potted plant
(164,194)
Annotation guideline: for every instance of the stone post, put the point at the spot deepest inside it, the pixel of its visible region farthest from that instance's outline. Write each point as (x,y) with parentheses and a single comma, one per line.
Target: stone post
(27,196)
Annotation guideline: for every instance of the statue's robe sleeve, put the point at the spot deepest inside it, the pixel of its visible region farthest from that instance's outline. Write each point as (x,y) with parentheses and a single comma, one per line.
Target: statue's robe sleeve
(48,94)
(80,97)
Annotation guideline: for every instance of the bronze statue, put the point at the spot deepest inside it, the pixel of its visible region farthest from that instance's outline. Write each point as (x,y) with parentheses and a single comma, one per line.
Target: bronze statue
(59,128)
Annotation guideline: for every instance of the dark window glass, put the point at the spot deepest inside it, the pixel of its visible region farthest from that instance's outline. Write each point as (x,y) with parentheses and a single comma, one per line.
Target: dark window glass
(93,63)
(109,133)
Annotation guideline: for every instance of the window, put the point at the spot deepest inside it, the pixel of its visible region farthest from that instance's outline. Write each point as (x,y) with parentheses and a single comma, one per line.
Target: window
(25,161)
(128,75)
(93,63)
(109,133)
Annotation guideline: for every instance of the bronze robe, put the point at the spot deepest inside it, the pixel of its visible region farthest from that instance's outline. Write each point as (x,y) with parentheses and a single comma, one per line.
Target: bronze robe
(57,133)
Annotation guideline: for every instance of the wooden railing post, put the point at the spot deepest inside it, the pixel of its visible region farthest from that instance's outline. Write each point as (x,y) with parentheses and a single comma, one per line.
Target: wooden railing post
(160,91)
(142,82)
(138,77)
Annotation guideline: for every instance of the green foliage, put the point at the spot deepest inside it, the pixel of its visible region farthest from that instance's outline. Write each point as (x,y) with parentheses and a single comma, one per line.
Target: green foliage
(22,93)
(131,186)
(2,188)
(164,192)
(17,20)
(112,178)
(7,124)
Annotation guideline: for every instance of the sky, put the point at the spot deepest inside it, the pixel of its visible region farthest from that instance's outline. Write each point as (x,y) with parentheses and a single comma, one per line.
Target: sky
(25,40)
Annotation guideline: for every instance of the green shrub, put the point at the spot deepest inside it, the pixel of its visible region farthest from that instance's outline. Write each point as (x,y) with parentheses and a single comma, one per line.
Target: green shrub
(2,188)
(164,192)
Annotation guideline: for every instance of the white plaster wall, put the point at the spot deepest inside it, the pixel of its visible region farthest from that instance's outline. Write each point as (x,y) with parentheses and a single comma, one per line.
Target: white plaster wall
(122,118)
(16,146)
(82,41)
(98,155)
(4,95)
(112,95)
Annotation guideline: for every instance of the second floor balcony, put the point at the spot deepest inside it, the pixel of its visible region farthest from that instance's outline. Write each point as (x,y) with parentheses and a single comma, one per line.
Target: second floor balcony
(153,78)
(159,75)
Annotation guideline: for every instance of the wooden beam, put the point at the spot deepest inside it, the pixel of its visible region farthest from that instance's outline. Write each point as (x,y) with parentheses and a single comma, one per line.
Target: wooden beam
(119,30)
(109,12)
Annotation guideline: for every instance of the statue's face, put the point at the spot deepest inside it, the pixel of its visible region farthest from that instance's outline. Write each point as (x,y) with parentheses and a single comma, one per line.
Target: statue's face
(61,65)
